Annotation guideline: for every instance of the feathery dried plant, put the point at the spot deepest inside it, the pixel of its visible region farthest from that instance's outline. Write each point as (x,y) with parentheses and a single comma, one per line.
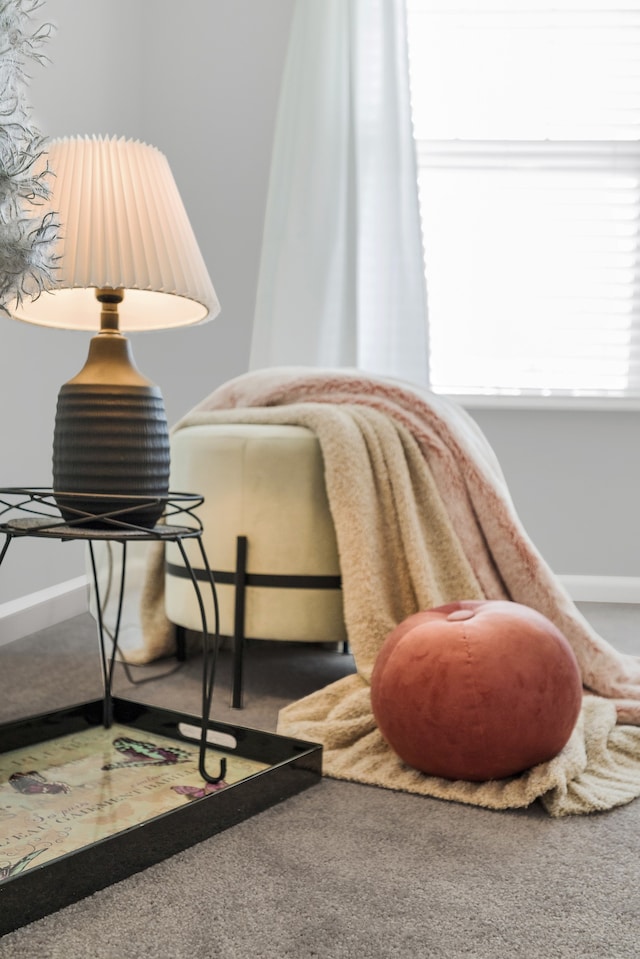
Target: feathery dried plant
(27,236)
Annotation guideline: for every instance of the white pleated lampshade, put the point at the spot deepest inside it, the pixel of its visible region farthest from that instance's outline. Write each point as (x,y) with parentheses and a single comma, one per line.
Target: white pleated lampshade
(122,225)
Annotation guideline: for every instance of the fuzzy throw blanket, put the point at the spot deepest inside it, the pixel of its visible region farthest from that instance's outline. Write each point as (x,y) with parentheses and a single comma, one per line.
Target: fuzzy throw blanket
(423,517)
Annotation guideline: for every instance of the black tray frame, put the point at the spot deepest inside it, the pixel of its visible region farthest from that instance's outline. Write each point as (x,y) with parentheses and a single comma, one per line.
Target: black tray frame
(294,765)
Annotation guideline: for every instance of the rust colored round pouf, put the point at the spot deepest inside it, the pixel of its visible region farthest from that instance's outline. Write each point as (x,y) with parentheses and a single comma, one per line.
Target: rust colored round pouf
(476,690)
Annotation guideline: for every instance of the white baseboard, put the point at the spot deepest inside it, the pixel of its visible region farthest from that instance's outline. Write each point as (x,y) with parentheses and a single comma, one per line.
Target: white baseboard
(602,589)
(47,607)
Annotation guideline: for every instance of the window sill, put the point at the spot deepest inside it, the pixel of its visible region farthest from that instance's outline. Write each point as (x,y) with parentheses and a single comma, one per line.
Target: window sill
(600,404)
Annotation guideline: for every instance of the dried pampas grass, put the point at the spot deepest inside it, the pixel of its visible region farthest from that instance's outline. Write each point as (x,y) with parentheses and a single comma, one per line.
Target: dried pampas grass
(27,262)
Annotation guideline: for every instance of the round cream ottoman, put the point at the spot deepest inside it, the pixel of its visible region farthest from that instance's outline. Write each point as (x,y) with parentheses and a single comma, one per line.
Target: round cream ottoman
(266,484)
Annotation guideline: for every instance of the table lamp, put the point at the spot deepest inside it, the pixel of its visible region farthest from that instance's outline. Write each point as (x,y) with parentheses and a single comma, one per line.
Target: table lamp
(128,261)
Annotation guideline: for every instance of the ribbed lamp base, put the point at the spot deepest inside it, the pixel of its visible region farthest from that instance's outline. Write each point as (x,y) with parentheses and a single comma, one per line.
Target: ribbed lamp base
(111,438)
(114,442)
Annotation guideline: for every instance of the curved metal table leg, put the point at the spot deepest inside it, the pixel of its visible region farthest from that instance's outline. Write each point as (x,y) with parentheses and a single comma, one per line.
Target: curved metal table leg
(209,651)
(108,666)
(7,540)
(210,646)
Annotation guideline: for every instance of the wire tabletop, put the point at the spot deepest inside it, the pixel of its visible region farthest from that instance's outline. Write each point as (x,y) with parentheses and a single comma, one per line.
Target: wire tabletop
(35,512)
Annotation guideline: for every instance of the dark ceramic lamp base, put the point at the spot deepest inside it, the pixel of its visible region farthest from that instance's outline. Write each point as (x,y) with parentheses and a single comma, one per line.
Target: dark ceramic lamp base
(111,439)
(111,442)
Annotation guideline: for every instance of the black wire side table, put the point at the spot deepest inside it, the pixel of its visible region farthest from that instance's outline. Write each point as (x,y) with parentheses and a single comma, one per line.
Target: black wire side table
(55,849)
(33,512)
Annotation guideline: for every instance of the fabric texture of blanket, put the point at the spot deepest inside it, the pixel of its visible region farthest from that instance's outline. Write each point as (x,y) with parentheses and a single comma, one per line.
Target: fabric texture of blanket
(423,517)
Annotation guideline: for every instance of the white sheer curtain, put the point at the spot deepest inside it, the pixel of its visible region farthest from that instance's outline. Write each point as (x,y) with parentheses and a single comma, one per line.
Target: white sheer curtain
(341,278)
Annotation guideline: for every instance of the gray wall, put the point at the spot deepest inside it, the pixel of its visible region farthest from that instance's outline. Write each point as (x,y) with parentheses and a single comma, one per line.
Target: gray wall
(200,81)
(574,477)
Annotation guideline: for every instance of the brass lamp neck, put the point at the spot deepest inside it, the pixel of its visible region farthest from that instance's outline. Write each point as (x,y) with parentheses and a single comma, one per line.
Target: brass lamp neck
(109,299)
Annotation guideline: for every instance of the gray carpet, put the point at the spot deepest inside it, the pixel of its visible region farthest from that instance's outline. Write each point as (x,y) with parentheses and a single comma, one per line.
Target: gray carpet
(341,870)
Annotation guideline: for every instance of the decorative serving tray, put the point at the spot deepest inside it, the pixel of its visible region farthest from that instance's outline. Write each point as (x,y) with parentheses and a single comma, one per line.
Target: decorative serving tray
(83,806)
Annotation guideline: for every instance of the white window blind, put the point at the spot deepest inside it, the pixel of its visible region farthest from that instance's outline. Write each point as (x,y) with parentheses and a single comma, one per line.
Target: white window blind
(526,115)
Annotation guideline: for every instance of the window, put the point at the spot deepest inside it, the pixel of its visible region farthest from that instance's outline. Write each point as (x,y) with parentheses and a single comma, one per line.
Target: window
(526,115)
